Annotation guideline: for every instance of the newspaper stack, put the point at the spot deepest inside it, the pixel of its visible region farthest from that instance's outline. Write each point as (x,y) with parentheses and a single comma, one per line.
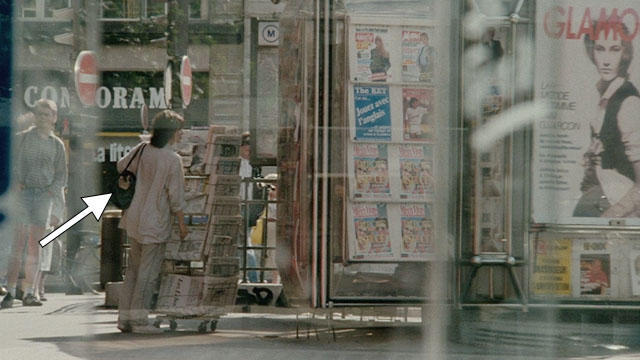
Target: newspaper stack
(219,291)
(223,226)
(192,247)
(223,146)
(192,148)
(222,246)
(224,185)
(224,205)
(182,295)
(222,267)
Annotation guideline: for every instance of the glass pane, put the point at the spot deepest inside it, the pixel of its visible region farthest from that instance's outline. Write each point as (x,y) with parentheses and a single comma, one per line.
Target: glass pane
(52,5)
(156,8)
(196,10)
(120,9)
(27,9)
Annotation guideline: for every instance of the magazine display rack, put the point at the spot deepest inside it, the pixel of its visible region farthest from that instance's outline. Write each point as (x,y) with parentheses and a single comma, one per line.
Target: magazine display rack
(200,273)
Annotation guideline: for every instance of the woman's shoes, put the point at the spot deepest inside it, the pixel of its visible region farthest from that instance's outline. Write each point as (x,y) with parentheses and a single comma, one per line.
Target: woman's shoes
(30,300)
(124,326)
(146,329)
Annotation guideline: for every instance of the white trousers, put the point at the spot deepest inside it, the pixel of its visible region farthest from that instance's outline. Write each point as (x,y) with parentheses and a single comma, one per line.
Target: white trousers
(141,281)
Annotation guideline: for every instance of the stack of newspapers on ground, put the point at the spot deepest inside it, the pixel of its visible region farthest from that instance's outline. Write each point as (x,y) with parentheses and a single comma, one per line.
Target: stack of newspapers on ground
(200,273)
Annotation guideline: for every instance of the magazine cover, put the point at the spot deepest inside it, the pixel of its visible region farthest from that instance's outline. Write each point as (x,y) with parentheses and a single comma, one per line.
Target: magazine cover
(587,71)
(416,171)
(593,270)
(595,274)
(371,228)
(372,57)
(371,171)
(552,270)
(372,106)
(417,113)
(416,224)
(417,55)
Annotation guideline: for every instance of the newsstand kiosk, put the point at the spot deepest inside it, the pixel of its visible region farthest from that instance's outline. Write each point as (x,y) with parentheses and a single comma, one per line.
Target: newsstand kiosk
(363,156)
(436,153)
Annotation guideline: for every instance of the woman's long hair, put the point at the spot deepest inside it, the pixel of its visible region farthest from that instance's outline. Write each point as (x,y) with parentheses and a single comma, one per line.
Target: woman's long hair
(165,125)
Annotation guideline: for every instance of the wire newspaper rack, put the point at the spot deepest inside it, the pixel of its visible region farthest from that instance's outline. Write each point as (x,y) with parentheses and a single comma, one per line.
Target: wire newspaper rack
(200,273)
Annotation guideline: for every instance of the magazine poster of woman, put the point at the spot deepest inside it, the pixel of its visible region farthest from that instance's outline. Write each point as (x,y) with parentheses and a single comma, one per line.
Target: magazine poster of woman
(417,55)
(371,227)
(371,171)
(586,156)
(416,171)
(417,231)
(417,110)
(373,60)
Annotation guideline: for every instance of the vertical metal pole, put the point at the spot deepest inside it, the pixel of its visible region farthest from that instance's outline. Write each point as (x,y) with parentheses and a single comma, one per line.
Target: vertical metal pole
(324,265)
(316,151)
(177,44)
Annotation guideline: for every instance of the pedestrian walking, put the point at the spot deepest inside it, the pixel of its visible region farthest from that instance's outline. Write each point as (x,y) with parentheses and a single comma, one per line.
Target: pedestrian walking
(41,176)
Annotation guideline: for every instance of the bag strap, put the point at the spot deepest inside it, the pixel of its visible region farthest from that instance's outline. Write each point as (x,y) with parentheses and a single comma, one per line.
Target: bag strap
(134,156)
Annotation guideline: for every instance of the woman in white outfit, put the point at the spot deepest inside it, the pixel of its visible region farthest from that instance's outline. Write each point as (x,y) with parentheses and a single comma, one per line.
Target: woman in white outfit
(159,195)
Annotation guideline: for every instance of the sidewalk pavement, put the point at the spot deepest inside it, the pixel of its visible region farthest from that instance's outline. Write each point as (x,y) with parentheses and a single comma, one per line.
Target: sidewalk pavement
(79,327)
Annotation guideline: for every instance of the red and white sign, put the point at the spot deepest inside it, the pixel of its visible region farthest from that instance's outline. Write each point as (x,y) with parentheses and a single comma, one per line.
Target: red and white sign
(85,74)
(186,80)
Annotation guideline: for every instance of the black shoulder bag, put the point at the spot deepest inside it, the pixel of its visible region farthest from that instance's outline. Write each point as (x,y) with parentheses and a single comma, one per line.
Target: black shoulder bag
(125,185)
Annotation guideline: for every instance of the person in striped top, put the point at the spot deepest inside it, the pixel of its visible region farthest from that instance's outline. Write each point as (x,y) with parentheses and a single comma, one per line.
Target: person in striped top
(40,175)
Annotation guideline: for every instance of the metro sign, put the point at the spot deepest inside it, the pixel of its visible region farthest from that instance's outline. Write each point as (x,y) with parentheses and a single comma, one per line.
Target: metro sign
(186,80)
(85,75)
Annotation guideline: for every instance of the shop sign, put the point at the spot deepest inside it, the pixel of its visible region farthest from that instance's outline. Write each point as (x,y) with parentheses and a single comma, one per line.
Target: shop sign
(268,33)
(115,98)
(116,152)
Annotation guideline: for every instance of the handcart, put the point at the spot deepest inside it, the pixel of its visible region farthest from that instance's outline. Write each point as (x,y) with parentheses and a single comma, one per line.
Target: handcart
(207,322)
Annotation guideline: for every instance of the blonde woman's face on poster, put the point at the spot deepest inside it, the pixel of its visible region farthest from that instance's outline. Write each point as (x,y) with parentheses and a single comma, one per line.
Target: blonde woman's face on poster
(608,54)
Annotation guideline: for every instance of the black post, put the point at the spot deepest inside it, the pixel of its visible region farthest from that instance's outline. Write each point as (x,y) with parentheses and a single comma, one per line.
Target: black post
(177,45)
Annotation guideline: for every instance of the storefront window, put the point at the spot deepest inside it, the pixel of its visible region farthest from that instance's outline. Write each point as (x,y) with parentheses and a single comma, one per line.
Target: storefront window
(120,9)
(44,8)
(28,9)
(198,9)
(156,8)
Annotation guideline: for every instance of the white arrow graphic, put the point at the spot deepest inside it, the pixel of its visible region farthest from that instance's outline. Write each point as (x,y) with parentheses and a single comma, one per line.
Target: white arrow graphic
(95,205)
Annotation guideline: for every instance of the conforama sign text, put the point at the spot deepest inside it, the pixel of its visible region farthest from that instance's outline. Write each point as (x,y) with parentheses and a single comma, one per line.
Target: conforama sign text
(116,98)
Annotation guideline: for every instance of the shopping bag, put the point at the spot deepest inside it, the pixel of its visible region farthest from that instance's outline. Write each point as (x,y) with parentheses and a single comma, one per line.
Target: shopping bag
(123,189)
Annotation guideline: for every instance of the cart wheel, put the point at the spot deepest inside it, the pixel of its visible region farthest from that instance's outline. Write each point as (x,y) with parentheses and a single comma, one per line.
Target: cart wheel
(202,328)
(173,324)
(157,323)
(214,325)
